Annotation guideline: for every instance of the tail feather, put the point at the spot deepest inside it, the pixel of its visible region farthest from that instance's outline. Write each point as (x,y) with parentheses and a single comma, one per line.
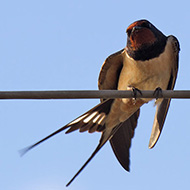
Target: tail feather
(106,135)
(87,121)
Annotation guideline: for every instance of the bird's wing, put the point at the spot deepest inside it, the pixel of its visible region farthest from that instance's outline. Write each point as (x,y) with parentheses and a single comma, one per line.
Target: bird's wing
(110,71)
(162,108)
(108,79)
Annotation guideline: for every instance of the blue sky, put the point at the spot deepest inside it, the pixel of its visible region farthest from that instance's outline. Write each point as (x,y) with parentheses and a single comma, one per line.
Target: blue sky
(61,45)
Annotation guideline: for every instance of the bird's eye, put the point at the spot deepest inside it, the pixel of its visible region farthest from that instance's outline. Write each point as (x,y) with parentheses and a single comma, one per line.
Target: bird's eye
(128,32)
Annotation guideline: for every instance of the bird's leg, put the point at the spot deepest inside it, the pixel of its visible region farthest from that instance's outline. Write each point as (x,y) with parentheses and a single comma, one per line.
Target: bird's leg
(158,93)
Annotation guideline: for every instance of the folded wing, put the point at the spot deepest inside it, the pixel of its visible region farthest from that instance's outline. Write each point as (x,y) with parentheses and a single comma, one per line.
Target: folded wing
(162,108)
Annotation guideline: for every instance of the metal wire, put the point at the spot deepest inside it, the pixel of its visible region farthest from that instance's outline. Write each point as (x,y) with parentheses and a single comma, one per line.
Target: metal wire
(92,94)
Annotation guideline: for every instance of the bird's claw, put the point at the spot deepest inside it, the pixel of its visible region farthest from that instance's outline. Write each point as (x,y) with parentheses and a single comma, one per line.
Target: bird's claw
(158,93)
(135,91)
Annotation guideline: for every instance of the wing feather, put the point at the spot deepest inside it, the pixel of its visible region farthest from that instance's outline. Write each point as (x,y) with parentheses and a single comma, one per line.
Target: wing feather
(162,108)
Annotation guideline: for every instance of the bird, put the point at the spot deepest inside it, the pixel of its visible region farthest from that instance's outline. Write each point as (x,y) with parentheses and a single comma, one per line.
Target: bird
(148,62)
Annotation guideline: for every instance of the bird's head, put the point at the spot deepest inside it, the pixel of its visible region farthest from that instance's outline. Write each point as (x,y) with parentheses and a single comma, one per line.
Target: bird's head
(142,37)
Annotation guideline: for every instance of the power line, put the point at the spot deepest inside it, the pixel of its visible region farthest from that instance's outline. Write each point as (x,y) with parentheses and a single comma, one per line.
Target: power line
(92,94)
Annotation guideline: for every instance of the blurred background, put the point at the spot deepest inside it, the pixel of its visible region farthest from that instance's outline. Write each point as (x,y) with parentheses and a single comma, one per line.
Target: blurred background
(61,45)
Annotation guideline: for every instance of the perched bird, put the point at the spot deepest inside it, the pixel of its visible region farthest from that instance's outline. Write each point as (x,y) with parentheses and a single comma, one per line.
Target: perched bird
(148,62)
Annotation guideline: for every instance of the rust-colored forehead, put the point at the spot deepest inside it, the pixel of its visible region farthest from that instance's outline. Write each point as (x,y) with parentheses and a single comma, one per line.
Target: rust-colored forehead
(137,23)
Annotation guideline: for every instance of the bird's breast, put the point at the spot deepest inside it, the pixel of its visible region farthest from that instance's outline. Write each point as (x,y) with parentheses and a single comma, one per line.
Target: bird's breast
(149,74)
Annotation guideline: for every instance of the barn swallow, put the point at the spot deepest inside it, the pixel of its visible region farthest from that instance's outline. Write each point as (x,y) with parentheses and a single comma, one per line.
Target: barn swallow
(148,62)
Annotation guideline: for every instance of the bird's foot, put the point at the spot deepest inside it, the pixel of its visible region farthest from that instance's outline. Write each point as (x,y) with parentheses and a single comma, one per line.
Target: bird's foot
(158,93)
(135,92)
